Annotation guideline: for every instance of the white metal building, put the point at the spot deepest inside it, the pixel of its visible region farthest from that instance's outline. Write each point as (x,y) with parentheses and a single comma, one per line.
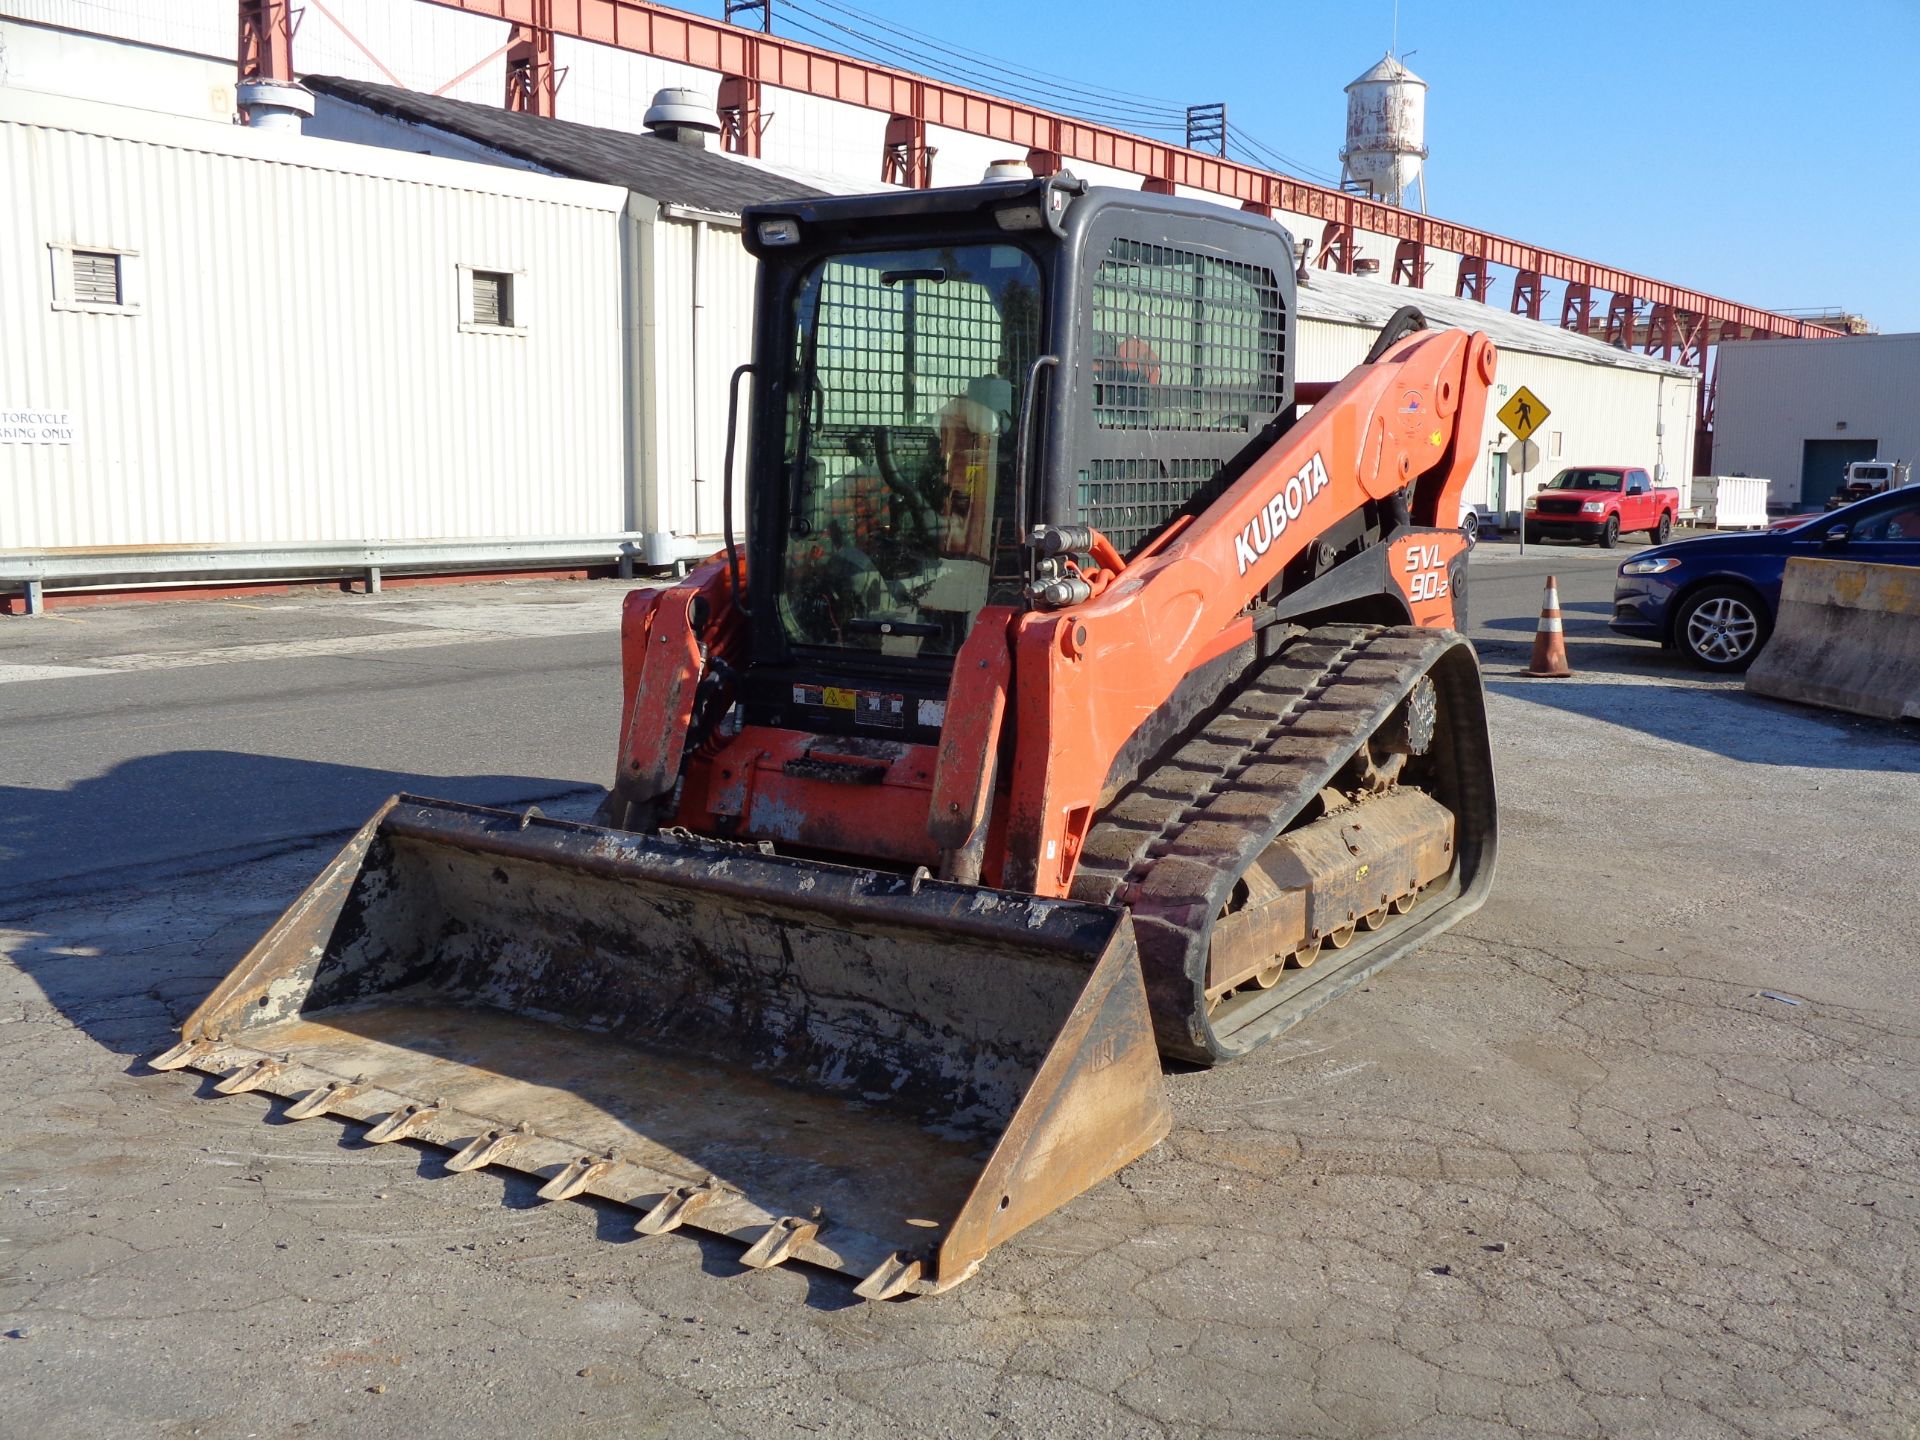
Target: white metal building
(240,367)
(226,340)
(1800,411)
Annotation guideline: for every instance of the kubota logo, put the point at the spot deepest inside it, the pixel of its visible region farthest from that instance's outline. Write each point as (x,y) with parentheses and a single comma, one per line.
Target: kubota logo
(1283,507)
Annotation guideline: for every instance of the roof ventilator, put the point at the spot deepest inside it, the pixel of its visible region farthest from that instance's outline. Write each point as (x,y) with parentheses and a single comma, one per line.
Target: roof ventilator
(683,115)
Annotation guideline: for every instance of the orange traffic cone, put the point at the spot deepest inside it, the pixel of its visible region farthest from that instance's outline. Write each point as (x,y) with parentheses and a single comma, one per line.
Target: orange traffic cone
(1550,640)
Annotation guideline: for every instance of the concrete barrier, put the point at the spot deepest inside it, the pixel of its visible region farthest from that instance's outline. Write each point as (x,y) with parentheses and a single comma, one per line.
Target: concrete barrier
(1847,637)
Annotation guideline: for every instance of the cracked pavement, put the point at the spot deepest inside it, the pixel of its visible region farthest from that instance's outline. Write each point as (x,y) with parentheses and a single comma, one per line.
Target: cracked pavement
(1634,1151)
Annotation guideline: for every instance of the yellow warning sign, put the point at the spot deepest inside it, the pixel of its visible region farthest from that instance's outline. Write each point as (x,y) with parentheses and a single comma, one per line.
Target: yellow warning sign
(1523,413)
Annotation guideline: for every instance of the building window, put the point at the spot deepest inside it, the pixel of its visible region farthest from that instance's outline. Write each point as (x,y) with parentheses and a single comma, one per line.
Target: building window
(93,278)
(492,298)
(491,301)
(96,277)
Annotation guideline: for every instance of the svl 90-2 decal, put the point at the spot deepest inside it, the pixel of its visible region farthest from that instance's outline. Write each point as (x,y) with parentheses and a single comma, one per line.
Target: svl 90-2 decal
(1426,571)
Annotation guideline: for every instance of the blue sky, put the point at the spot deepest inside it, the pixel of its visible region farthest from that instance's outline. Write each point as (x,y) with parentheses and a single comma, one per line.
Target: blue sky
(1761,151)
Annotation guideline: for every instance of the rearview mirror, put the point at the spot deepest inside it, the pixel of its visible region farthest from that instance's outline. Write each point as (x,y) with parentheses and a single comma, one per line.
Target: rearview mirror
(1838,535)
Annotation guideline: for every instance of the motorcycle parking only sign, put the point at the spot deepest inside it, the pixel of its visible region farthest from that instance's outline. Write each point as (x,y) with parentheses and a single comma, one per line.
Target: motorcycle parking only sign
(36,427)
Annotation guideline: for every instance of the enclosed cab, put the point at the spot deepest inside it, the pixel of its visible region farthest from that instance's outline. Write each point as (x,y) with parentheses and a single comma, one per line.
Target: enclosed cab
(954,367)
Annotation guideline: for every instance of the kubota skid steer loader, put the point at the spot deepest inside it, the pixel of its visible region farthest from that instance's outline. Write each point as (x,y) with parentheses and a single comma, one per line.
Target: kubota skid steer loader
(1074,699)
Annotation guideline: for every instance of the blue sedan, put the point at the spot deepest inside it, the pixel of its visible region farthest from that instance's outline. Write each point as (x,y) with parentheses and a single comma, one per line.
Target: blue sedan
(1714,598)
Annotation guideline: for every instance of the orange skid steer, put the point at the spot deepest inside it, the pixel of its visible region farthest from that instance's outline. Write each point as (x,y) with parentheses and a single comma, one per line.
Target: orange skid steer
(1077,697)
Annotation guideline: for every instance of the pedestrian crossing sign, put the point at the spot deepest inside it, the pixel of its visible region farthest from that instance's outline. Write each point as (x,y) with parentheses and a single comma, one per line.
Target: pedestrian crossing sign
(1523,413)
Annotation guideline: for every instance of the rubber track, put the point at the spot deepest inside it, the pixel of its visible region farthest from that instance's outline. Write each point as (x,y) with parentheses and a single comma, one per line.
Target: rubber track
(1174,845)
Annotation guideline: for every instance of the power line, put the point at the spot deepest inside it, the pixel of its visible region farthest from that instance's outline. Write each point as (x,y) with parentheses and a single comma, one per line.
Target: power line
(1092,105)
(1267,157)
(1121,110)
(880,52)
(1133,101)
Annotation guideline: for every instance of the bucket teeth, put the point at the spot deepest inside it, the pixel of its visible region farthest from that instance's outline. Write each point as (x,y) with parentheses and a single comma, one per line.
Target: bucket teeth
(576,1177)
(400,1123)
(488,1147)
(895,1275)
(249,1077)
(316,1102)
(181,1055)
(677,1207)
(780,1239)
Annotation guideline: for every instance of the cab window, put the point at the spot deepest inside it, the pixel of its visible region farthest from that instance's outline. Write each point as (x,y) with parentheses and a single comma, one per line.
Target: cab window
(907,371)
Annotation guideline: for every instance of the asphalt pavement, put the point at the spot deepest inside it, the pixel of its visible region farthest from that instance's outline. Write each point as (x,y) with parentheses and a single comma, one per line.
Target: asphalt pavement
(143,737)
(146,738)
(1634,1151)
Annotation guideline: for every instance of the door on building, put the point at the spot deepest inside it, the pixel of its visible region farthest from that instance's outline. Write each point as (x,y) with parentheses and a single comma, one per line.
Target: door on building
(1823,466)
(1497,483)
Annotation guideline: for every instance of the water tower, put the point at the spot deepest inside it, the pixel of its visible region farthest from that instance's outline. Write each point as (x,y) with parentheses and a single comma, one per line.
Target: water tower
(1386,149)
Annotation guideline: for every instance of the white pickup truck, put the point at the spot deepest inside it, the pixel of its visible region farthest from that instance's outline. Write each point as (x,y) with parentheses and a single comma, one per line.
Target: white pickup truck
(1870,477)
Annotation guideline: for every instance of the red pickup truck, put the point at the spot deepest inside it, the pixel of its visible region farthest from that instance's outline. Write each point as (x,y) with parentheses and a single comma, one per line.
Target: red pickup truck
(1597,502)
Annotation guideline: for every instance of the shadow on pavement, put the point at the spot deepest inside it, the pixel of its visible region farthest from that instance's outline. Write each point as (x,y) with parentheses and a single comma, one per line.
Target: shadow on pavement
(1592,648)
(199,808)
(1716,716)
(143,887)
(1572,611)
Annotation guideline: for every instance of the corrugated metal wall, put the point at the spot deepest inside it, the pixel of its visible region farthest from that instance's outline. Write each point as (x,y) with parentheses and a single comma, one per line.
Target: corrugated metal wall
(688,378)
(295,370)
(1776,395)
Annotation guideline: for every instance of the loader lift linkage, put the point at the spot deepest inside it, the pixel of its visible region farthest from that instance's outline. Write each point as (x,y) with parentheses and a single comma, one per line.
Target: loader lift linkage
(1074,700)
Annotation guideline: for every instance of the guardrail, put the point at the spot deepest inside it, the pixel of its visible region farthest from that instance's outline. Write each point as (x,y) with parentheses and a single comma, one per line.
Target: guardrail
(33,572)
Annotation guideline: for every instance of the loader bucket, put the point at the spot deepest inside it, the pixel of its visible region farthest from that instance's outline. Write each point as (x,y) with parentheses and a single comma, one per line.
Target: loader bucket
(882,1075)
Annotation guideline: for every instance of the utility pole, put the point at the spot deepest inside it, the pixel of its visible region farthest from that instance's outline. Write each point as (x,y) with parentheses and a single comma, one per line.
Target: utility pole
(741,7)
(1207,128)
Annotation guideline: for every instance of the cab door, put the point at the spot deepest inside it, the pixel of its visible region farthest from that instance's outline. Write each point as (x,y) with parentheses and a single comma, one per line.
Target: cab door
(1636,505)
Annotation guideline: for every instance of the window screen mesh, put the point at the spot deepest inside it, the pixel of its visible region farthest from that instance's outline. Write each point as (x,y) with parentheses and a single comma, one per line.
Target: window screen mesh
(1188,361)
(1128,500)
(906,377)
(890,354)
(96,277)
(889,357)
(1184,341)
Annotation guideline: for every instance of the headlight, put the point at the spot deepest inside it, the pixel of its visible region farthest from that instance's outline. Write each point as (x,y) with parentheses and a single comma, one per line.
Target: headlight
(1593,507)
(1655,565)
(779,232)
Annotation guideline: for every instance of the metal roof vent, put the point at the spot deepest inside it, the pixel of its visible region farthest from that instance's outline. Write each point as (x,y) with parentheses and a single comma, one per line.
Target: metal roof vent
(273,104)
(683,115)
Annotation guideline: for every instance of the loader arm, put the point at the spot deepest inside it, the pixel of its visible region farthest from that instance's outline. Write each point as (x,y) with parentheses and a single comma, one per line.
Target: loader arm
(1089,676)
